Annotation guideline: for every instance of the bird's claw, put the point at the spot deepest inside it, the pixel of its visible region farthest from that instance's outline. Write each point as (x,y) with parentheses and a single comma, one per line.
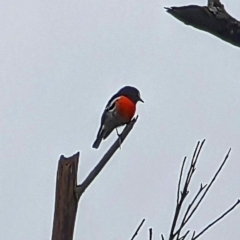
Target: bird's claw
(119,138)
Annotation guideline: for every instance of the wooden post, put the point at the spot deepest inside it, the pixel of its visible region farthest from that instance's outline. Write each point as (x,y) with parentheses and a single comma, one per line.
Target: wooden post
(66,202)
(68,192)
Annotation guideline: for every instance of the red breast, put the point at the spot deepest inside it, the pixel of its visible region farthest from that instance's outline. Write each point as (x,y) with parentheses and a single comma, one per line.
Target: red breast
(126,108)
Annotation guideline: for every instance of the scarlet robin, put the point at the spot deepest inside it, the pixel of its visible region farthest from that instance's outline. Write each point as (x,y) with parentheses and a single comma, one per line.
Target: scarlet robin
(120,110)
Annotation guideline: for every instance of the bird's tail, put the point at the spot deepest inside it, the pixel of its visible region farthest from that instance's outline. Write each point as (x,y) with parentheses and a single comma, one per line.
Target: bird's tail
(97,142)
(103,133)
(98,139)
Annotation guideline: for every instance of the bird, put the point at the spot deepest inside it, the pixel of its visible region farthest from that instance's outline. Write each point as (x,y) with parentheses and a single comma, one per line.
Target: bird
(119,111)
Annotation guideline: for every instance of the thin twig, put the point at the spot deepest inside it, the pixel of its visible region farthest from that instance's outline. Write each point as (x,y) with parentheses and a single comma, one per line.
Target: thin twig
(185,190)
(208,187)
(194,162)
(189,208)
(162,237)
(195,151)
(180,179)
(190,171)
(184,236)
(218,219)
(201,146)
(136,232)
(92,175)
(192,167)
(150,233)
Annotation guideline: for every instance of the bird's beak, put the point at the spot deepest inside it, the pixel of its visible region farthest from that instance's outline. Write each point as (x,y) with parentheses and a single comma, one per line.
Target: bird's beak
(141,100)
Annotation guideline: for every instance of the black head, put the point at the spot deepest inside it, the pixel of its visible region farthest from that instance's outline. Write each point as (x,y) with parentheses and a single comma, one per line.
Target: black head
(130,92)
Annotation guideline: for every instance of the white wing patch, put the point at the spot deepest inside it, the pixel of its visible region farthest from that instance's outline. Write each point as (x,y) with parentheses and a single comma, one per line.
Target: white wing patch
(111,106)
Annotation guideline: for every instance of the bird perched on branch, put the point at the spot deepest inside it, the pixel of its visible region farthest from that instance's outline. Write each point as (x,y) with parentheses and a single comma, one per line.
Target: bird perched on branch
(120,110)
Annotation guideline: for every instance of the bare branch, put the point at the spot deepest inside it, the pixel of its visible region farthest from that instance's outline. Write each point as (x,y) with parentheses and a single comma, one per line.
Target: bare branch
(209,186)
(162,236)
(180,179)
(136,232)
(150,234)
(93,174)
(194,162)
(185,190)
(215,221)
(184,236)
(183,222)
(212,18)
(195,151)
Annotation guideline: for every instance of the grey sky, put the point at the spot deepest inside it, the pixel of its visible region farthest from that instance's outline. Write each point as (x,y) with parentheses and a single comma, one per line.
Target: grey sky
(61,61)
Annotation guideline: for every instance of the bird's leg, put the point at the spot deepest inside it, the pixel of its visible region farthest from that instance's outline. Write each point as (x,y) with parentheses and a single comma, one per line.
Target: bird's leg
(119,139)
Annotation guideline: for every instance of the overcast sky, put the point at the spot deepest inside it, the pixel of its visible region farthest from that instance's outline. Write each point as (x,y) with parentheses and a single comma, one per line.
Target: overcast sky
(61,61)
